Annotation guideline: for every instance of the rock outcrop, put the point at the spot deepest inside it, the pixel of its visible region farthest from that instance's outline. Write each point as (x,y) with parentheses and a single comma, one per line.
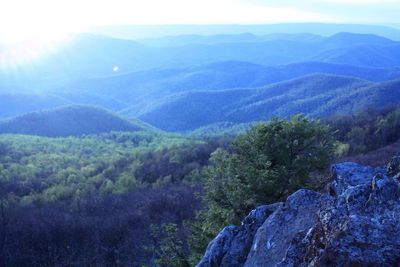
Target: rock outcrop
(356,223)
(232,244)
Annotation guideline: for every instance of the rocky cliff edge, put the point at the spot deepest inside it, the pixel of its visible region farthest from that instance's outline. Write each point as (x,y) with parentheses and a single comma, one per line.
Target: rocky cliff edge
(355,223)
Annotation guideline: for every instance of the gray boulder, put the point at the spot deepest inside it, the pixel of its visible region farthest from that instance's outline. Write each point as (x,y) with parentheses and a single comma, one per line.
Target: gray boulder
(272,239)
(356,223)
(232,244)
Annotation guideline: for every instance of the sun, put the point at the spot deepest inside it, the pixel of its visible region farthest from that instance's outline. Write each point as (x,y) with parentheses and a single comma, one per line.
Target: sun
(30,30)
(22,20)
(24,43)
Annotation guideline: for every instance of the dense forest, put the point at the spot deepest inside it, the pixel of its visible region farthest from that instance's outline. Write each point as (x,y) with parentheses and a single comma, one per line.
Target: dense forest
(91,200)
(149,198)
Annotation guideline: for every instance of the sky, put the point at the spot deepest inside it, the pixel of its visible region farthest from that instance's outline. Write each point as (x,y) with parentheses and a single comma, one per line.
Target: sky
(23,19)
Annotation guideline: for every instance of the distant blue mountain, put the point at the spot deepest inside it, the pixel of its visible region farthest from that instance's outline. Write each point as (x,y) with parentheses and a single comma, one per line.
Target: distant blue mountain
(155,31)
(187,82)
(91,56)
(182,40)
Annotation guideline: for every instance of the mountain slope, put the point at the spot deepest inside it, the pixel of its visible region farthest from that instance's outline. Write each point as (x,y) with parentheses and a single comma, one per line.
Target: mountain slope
(188,111)
(68,121)
(141,90)
(220,75)
(379,56)
(316,95)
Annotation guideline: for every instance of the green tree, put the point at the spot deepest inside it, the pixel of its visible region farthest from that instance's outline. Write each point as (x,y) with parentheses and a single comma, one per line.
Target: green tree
(271,161)
(169,248)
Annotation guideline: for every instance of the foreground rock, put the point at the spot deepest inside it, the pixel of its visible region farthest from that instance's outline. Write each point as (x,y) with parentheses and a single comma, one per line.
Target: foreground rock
(356,223)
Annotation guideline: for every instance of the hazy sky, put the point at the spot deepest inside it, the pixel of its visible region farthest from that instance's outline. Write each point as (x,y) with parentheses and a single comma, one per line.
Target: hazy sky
(23,18)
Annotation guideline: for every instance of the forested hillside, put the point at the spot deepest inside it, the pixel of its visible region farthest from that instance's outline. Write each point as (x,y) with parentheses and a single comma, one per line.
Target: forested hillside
(314,95)
(94,199)
(69,121)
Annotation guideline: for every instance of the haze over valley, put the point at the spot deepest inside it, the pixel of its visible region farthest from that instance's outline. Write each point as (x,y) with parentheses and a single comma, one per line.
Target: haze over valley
(225,78)
(199,133)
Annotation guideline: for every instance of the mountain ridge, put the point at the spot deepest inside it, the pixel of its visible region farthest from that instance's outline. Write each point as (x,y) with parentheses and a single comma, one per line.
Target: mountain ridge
(325,29)
(317,95)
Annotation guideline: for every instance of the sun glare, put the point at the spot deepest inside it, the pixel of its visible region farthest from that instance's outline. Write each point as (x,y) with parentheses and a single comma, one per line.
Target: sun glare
(22,44)
(14,54)
(32,29)
(22,20)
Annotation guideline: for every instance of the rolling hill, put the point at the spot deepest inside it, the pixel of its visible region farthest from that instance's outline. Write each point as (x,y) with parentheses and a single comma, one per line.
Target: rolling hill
(218,76)
(379,56)
(316,95)
(140,90)
(73,120)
